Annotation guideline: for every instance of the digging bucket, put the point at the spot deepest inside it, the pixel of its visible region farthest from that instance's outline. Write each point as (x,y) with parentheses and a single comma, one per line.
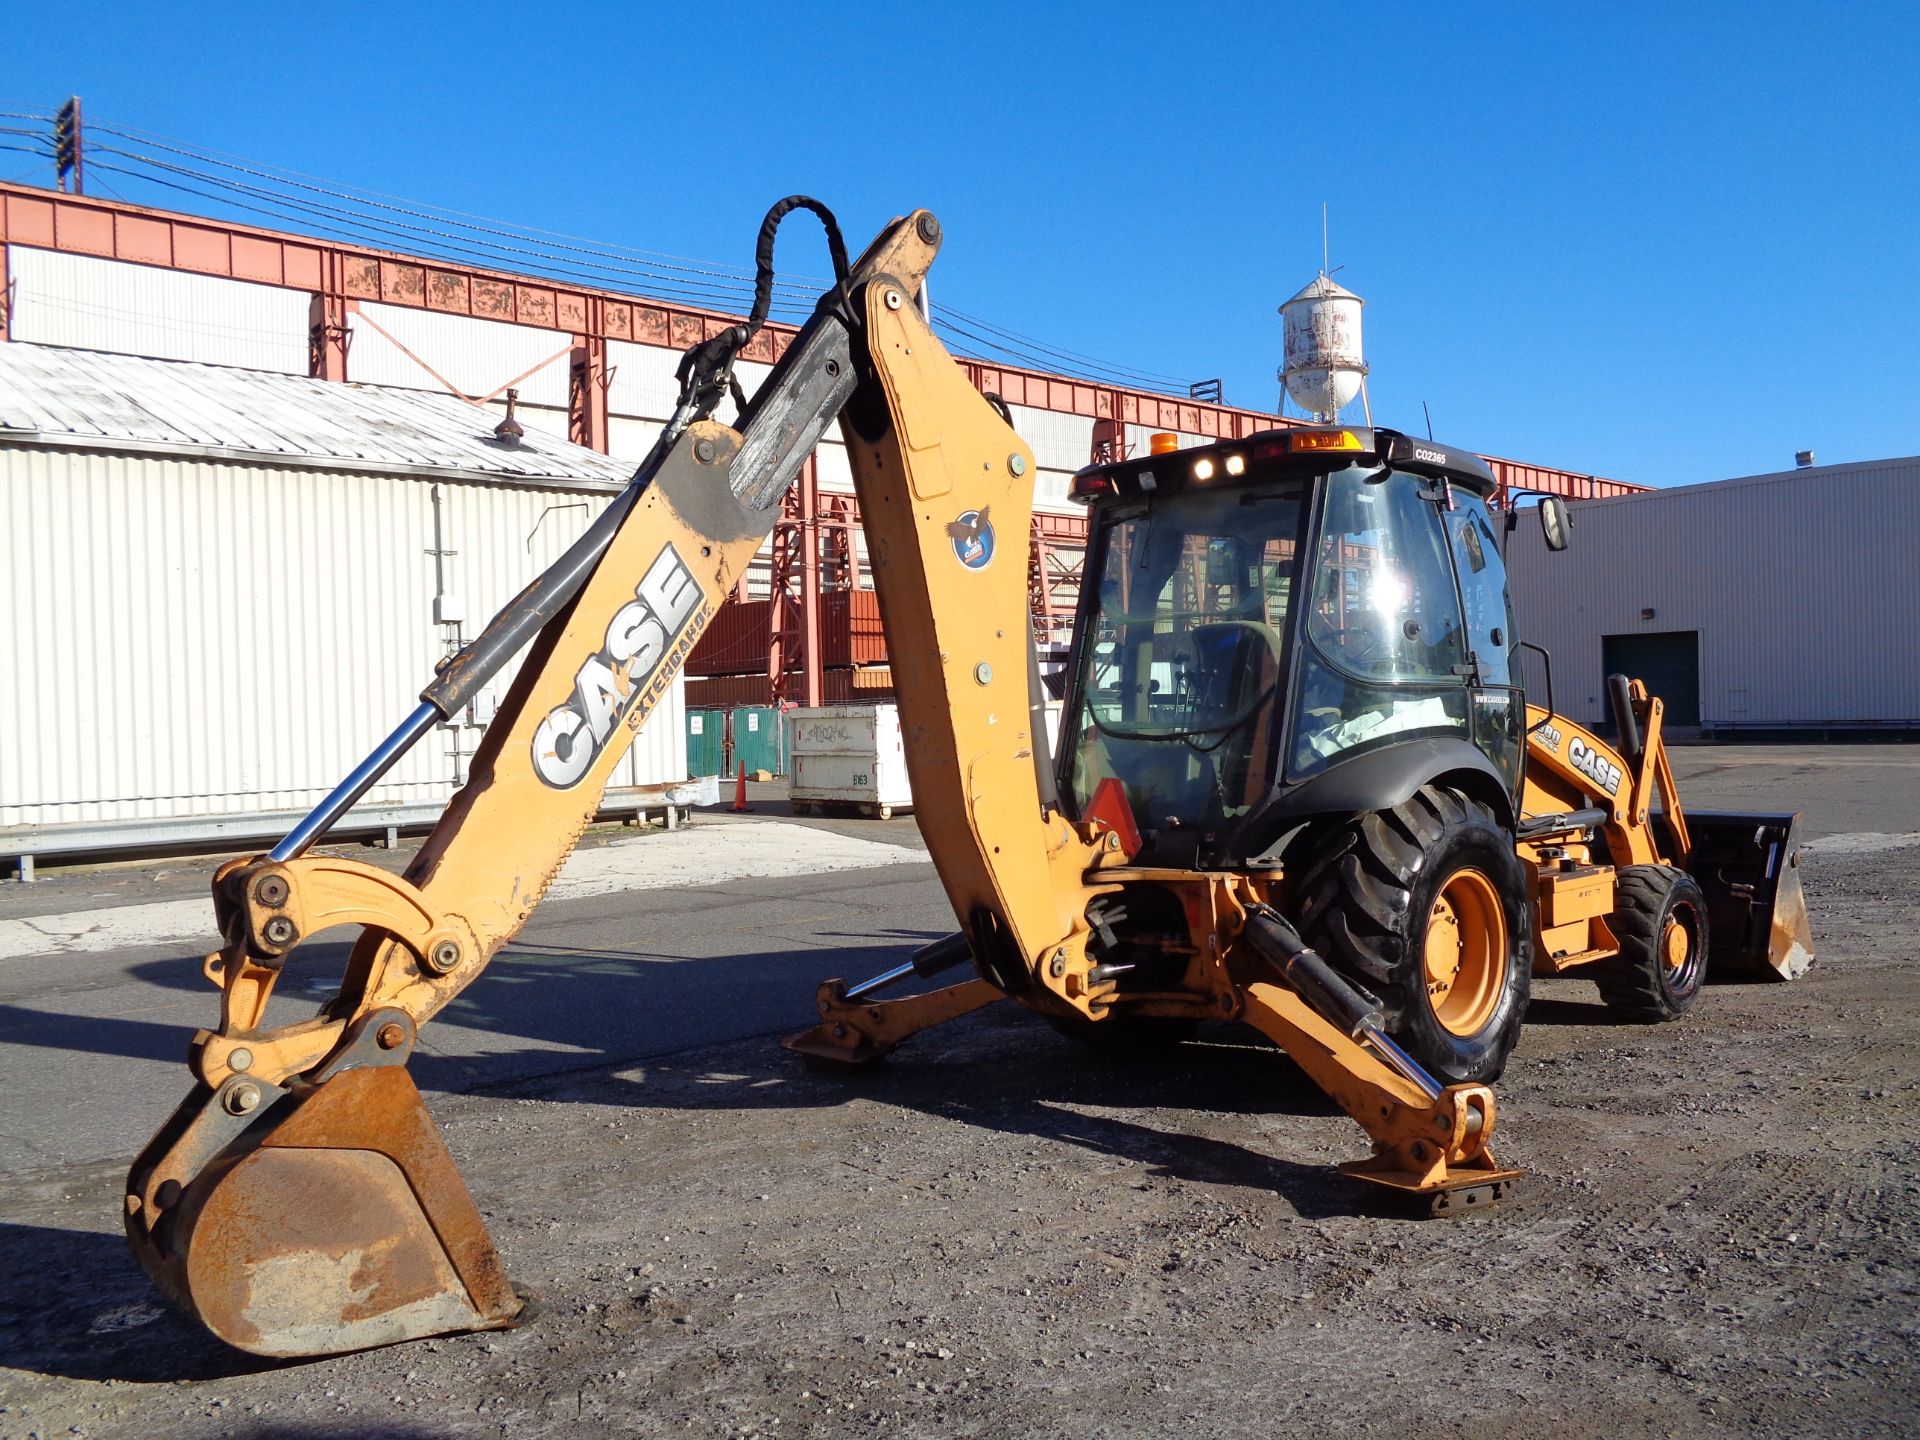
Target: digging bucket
(316,1220)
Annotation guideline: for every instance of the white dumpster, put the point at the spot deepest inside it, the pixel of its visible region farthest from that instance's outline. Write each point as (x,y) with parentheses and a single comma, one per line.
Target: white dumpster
(852,755)
(847,755)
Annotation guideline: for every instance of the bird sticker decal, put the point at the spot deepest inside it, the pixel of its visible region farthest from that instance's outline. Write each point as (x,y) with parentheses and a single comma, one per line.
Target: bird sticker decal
(972,536)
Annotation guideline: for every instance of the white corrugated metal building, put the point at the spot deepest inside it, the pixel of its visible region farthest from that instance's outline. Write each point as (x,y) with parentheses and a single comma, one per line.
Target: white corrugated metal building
(1775,603)
(221,584)
(100,304)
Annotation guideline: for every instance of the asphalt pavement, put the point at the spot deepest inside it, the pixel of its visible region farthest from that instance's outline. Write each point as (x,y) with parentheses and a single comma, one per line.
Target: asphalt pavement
(93,1045)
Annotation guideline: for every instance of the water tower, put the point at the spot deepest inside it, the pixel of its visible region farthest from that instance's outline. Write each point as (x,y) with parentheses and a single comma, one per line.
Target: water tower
(1324,368)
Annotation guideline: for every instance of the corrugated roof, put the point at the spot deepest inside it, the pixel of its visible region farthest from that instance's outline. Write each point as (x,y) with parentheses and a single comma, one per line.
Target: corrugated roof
(53,395)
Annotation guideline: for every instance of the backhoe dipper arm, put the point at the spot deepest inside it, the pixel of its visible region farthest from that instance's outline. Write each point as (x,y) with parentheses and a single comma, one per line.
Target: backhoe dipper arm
(300,1201)
(609,631)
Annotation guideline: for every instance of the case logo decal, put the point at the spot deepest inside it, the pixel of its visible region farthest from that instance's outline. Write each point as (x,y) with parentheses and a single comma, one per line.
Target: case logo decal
(1590,763)
(646,640)
(972,536)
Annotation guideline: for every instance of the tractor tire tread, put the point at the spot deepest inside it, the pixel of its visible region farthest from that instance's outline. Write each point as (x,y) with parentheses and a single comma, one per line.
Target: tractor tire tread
(1355,903)
(1630,988)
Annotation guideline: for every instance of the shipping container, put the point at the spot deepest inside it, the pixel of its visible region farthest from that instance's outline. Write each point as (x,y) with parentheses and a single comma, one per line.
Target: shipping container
(757,735)
(736,642)
(848,756)
(706,741)
(840,687)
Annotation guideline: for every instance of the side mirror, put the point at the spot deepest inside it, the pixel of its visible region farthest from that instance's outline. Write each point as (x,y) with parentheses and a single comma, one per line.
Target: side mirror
(1555,524)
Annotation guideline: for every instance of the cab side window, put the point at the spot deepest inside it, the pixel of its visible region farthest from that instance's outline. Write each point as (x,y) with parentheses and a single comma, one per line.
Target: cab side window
(1497,707)
(1384,606)
(1483,586)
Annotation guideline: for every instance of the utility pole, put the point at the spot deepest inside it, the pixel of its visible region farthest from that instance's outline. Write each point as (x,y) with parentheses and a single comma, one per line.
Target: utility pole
(68,158)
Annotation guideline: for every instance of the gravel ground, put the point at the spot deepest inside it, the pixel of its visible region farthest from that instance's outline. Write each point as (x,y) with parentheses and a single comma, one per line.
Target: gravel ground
(997,1234)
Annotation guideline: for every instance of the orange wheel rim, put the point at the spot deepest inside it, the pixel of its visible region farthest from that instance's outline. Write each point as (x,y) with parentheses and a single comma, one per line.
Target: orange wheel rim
(1676,945)
(1466,953)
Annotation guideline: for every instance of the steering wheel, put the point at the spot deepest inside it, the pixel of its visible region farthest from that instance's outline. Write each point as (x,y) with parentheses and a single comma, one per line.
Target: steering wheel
(1367,650)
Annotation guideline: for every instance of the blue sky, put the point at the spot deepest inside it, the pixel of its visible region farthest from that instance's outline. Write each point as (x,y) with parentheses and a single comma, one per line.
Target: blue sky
(1662,243)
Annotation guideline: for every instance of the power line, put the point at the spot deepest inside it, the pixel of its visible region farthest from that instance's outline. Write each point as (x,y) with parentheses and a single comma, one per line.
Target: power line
(730,276)
(1098,373)
(290,197)
(1040,346)
(315,221)
(343,190)
(426,236)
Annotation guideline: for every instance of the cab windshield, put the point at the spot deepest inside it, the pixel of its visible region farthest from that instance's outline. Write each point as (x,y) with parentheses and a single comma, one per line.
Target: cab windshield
(1385,647)
(1181,671)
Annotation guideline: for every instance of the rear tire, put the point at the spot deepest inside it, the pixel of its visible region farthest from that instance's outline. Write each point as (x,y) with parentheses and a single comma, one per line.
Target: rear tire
(1426,906)
(1660,920)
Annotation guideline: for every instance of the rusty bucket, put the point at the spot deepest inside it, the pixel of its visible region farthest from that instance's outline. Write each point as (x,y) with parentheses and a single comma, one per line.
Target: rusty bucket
(314,1221)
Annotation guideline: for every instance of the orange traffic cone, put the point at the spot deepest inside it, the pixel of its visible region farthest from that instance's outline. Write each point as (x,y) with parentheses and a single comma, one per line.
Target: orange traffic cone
(740,791)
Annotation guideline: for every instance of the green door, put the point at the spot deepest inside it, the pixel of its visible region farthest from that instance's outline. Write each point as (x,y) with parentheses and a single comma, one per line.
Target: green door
(706,741)
(756,739)
(1668,661)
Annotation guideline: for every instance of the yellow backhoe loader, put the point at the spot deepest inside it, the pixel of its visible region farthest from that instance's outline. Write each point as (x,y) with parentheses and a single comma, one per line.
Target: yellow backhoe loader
(1297,787)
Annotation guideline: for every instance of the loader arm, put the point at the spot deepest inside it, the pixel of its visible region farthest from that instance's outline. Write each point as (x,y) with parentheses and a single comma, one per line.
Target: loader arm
(1747,864)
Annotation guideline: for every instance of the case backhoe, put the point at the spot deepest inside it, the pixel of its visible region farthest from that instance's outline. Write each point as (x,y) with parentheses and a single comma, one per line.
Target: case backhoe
(1297,787)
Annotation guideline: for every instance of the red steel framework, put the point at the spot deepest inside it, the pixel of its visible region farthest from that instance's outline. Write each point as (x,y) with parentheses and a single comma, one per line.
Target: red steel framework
(814,530)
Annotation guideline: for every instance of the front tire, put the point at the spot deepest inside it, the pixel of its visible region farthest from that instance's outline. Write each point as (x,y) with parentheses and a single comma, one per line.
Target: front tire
(1660,920)
(1426,906)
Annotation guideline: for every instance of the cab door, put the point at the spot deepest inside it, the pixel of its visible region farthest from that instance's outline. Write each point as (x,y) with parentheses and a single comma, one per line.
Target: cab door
(1495,702)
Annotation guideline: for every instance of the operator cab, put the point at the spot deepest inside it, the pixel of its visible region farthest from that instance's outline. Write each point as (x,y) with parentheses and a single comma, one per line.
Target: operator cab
(1263,622)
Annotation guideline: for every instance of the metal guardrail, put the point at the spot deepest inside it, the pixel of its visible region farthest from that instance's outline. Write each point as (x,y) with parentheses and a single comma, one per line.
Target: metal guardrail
(25,844)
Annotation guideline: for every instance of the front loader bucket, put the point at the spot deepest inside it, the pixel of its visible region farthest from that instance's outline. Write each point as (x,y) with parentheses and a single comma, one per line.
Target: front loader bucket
(322,1221)
(1749,868)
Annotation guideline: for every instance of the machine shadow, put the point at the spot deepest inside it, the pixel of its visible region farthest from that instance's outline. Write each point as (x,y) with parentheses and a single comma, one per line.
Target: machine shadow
(1585,1013)
(580,1014)
(74,1303)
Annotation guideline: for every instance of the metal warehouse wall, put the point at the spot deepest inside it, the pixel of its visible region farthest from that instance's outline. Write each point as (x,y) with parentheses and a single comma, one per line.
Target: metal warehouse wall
(94,304)
(199,637)
(106,305)
(1804,587)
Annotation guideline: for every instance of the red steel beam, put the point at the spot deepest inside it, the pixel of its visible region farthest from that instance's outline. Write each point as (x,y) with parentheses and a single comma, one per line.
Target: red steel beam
(343,274)
(810,628)
(340,275)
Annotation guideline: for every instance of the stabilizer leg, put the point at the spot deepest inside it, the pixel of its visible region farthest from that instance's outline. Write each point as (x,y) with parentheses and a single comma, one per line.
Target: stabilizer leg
(858,1032)
(1430,1146)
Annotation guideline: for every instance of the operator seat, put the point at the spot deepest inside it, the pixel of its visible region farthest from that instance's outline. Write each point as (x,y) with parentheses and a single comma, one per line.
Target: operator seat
(1238,665)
